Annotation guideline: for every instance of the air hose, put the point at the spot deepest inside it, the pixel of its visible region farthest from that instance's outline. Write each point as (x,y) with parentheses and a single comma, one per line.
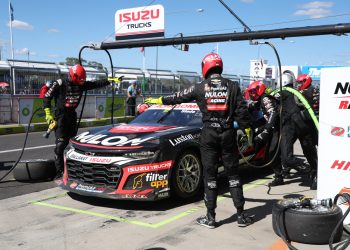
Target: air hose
(85,92)
(280,112)
(346,197)
(303,100)
(24,145)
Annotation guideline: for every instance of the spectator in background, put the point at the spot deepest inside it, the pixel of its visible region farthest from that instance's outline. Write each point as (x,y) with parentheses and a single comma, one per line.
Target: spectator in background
(132,93)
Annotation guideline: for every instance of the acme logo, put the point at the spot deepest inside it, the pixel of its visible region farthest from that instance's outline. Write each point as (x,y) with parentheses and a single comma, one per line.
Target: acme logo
(340,165)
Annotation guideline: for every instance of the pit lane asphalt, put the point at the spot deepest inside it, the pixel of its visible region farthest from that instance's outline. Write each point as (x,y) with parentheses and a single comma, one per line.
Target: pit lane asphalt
(42,216)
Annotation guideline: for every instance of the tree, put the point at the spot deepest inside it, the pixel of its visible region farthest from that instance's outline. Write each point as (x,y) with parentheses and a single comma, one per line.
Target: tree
(95,65)
(73,61)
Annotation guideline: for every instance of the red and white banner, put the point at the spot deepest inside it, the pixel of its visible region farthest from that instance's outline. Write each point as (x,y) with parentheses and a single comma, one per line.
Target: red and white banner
(141,22)
(334,134)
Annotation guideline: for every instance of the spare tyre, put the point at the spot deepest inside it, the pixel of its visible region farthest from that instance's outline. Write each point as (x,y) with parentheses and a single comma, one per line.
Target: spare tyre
(35,170)
(305,224)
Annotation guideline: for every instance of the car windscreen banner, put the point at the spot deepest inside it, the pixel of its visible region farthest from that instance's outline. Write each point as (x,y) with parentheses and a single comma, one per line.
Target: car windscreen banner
(141,22)
(334,134)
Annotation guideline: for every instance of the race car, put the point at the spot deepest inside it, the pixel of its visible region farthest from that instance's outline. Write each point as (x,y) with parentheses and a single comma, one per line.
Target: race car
(154,156)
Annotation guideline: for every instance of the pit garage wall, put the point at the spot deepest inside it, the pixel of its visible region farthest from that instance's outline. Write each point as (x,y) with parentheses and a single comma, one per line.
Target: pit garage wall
(334,134)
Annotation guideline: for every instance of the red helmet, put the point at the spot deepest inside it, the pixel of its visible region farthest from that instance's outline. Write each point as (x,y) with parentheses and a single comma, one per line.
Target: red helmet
(142,108)
(256,89)
(304,81)
(210,61)
(77,74)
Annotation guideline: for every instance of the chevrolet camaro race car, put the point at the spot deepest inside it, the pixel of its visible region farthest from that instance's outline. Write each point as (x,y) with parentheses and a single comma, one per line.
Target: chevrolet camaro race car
(155,155)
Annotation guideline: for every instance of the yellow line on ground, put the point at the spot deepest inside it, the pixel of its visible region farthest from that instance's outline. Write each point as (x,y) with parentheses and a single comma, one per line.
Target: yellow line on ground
(141,223)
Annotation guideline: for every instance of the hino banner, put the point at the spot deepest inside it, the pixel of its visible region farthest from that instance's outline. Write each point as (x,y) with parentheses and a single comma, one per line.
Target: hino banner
(141,22)
(334,134)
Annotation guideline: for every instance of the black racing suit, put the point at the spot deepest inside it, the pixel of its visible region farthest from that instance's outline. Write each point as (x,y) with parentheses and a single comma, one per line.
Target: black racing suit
(67,96)
(268,134)
(293,128)
(220,101)
(311,94)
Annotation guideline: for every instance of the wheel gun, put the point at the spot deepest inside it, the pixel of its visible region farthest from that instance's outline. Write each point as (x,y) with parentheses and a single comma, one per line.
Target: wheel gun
(52,126)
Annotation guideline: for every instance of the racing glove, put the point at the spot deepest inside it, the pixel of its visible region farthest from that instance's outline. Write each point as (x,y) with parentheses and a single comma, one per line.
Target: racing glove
(158,100)
(261,139)
(48,116)
(249,134)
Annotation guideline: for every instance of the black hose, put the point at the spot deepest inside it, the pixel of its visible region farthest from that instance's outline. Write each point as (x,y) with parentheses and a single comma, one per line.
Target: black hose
(280,115)
(85,92)
(24,145)
(345,244)
(283,235)
(113,86)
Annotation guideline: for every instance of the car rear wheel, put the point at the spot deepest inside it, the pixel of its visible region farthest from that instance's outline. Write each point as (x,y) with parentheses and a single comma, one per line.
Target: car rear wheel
(187,175)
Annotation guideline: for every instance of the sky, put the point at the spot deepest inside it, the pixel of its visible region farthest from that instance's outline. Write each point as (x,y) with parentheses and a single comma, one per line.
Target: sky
(51,31)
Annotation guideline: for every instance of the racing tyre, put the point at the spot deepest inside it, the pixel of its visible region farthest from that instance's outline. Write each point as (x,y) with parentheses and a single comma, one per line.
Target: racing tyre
(307,225)
(187,175)
(35,170)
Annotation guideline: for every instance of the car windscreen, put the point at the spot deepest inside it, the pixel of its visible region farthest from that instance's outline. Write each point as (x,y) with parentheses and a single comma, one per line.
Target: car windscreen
(177,117)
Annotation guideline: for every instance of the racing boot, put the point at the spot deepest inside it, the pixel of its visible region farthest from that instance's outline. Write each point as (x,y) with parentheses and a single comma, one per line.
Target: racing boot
(243,220)
(313,180)
(207,220)
(277,181)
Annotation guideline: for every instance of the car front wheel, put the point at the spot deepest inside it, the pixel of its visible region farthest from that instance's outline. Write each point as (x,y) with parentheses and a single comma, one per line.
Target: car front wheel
(187,175)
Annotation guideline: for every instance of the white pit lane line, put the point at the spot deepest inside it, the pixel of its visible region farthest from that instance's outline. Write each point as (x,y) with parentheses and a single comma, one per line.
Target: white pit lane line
(30,148)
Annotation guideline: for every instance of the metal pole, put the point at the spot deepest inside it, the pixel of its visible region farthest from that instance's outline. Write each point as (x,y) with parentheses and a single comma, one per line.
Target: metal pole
(246,28)
(10,17)
(334,29)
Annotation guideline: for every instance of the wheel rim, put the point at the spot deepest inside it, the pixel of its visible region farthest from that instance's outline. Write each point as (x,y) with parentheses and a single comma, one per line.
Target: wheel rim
(188,173)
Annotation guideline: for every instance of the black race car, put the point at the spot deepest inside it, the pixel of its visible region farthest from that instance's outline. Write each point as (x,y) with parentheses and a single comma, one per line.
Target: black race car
(155,155)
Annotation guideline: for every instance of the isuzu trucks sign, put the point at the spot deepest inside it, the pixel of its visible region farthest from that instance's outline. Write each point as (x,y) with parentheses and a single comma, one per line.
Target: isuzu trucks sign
(141,22)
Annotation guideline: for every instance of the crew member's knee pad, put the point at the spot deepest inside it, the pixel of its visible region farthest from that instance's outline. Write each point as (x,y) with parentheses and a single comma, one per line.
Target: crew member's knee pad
(234,181)
(211,184)
(61,144)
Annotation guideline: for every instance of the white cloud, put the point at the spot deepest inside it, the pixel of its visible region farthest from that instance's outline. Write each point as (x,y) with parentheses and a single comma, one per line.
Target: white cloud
(16,24)
(247,1)
(317,5)
(315,9)
(53,30)
(313,13)
(24,51)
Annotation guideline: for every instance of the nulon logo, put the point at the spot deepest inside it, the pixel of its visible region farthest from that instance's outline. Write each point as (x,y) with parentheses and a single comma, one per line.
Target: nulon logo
(343,89)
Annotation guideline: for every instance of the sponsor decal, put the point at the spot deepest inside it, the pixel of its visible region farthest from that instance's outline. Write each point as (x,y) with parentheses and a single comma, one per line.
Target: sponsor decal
(182,106)
(133,196)
(140,22)
(157,180)
(105,141)
(138,183)
(148,167)
(163,195)
(343,89)
(91,189)
(337,131)
(138,129)
(340,165)
(181,139)
(97,159)
(340,131)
